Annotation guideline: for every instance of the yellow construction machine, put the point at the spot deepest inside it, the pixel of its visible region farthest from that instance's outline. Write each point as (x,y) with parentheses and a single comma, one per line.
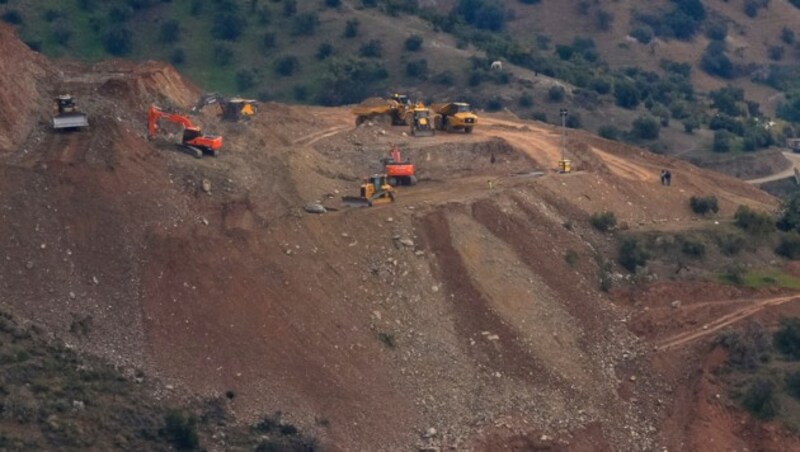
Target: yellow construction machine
(375,190)
(454,116)
(398,108)
(421,124)
(230,109)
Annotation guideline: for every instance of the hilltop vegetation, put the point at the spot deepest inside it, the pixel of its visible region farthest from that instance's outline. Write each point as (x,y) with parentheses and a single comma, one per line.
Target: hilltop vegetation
(687,73)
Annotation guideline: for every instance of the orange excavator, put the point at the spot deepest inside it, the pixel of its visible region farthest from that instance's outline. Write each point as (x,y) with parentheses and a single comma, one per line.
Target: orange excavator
(193,140)
(399,172)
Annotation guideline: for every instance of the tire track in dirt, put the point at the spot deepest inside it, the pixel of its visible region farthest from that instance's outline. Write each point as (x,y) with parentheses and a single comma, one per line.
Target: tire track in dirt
(688,337)
(318,135)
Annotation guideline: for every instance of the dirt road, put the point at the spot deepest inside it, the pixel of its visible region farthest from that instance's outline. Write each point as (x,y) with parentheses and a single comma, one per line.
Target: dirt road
(793,158)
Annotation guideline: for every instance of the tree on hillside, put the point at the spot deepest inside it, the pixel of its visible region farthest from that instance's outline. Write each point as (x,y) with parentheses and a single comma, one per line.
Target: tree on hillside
(169,32)
(626,94)
(484,14)
(228,26)
(351,80)
(646,128)
(118,41)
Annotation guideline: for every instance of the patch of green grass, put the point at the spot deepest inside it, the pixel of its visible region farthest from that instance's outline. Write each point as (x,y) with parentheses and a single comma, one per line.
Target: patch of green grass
(759,279)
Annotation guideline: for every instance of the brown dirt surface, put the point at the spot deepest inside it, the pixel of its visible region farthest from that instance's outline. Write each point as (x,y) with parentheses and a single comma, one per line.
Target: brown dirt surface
(450,318)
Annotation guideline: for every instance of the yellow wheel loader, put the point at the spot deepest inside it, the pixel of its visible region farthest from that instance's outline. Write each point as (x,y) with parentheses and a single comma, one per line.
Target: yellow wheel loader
(454,116)
(375,190)
(230,109)
(421,125)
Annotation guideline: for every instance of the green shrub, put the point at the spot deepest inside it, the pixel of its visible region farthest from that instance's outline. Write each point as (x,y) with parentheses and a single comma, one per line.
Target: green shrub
(245,79)
(268,41)
(413,43)
(702,205)
(289,8)
(333,3)
(690,124)
(787,36)
(632,255)
(643,34)
(525,100)
(539,116)
(228,26)
(571,257)
(626,94)
(693,248)
(177,57)
(324,51)
(286,65)
(722,141)
(305,24)
(180,431)
(118,41)
(371,49)
(775,53)
(753,222)
(760,400)
(730,243)
(793,384)
(748,349)
(787,338)
(646,128)
(446,78)
(609,132)
(715,62)
(62,32)
(556,93)
(351,28)
(734,274)
(603,221)
(789,246)
(417,68)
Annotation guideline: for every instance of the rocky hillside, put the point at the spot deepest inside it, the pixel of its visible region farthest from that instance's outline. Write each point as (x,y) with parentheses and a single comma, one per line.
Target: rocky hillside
(655,74)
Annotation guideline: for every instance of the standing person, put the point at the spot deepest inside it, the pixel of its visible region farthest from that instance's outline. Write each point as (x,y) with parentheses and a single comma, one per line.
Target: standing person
(663,177)
(668,177)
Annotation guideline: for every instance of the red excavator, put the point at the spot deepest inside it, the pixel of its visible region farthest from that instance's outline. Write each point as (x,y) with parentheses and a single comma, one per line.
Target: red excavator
(193,139)
(399,172)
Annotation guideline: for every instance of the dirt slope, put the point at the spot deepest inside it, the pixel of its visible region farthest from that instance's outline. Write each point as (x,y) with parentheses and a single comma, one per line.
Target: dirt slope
(452,309)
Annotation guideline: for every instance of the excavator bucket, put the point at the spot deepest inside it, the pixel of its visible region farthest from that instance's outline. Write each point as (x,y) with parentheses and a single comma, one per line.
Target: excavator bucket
(70,121)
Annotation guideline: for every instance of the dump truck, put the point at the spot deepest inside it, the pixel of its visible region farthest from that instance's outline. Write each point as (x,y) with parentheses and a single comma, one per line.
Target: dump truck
(397,107)
(67,114)
(454,116)
(375,190)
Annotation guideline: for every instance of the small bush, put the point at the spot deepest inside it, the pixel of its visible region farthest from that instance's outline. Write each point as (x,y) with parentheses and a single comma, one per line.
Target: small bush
(632,255)
(180,431)
(703,205)
(556,93)
(747,350)
(371,49)
(494,104)
(690,124)
(446,78)
(417,68)
(787,338)
(289,8)
(245,79)
(351,28)
(324,51)
(760,400)
(646,128)
(787,36)
(603,221)
(734,274)
(753,222)
(793,384)
(268,41)
(228,26)
(62,32)
(626,95)
(118,41)
(525,100)
(413,43)
(722,141)
(789,247)
(643,34)
(305,24)
(609,132)
(177,57)
(539,116)
(286,65)
(300,93)
(730,243)
(333,3)
(387,339)
(717,31)
(571,257)
(693,248)
(775,53)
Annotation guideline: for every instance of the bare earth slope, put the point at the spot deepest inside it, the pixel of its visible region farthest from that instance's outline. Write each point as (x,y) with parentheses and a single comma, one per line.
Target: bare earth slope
(452,309)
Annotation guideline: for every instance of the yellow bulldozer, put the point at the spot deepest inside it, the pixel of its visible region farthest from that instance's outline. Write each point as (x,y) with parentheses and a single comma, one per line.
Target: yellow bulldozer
(375,190)
(454,116)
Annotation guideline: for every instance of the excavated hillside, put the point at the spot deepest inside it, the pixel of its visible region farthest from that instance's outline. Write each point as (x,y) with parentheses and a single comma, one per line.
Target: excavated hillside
(449,318)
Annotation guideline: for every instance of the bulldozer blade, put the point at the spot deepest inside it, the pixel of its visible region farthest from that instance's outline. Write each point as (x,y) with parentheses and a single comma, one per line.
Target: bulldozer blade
(354,201)
(71,120)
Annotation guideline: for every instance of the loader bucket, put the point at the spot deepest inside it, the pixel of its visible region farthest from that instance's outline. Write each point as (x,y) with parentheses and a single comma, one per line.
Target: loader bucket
(70,120)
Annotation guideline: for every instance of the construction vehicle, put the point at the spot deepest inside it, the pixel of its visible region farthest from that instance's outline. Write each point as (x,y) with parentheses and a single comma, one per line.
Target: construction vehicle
(374,190)
(399,172)
(398,107)
(193,142)
(230,109)
(421,125)
(67,115)
(454,116)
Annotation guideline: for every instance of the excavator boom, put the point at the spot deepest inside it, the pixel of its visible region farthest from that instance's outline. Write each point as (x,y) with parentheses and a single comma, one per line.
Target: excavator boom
(193,138)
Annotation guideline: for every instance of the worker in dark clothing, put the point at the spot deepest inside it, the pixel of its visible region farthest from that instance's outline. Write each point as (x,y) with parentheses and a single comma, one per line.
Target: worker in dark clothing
(663,177)
(668,178)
